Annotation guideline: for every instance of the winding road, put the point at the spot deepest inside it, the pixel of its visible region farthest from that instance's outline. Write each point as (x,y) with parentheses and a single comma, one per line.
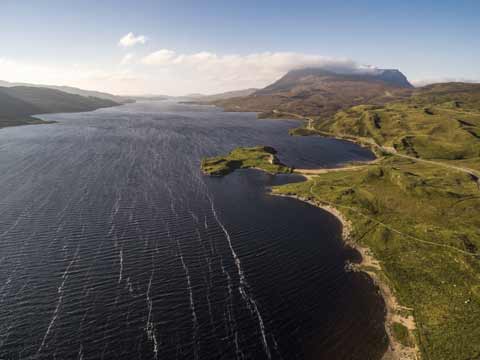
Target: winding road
(384,149)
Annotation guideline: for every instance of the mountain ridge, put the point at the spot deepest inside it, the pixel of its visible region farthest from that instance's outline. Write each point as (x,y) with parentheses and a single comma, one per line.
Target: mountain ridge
(72,90)
(322,92)
(19,103)
(311,76)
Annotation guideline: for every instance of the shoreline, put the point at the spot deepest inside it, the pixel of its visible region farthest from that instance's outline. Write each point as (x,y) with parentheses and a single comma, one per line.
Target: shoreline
(395,350)
(395,313)
(36,119)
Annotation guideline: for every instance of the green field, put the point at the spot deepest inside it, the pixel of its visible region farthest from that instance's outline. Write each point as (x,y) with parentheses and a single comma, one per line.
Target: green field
(439,122)
(421,221)
(259,157)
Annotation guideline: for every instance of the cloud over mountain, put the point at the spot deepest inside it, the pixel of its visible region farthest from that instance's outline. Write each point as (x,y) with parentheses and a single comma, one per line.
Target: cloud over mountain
(263,63)
(161,57)
(228,72)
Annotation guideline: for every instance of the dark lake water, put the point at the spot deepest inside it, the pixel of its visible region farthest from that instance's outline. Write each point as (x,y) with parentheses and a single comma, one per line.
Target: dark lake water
(113,245)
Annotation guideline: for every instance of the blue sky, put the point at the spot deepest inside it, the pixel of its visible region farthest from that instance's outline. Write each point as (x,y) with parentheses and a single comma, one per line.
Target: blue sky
(77,42)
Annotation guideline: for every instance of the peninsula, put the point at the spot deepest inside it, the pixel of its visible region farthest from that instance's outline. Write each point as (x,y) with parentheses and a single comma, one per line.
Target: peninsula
(258,157)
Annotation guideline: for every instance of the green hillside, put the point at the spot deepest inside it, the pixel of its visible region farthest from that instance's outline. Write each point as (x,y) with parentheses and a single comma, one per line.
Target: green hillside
(416,210)
(421,222)
(19,103)
(438,122)
(73,90)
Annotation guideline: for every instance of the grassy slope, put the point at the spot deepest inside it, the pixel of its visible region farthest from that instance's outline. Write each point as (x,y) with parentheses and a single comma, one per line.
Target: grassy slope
(17,104)
(42,100)
(432,124)
(9,121)
(420,220)
(260,157)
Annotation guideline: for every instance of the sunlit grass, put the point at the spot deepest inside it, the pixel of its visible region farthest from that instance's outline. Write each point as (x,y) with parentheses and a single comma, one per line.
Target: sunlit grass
(259,157)
(421,221)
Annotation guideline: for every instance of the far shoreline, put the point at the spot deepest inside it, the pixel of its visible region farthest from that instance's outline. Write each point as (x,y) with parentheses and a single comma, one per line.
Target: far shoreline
(36,119)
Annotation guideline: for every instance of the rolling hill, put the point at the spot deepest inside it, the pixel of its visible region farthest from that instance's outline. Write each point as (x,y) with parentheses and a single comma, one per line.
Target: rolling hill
(74,91)
(222,96)
(440,121)
(19,103)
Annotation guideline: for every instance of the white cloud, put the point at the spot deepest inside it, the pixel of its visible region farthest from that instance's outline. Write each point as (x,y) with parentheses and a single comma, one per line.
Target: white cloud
(131,40)
(110,78)
(127,59)
(160,57)
(263,62)
(424,82)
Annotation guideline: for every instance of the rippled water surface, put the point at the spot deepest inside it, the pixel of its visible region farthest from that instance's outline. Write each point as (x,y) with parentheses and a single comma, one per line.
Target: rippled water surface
(113,245)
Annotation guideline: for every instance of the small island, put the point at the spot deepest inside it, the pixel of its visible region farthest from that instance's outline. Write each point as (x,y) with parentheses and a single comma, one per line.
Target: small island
(258,157)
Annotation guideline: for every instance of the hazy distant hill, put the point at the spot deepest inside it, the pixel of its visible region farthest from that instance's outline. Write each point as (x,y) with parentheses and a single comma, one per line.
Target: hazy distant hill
(321,92)
(210,99)
(73,90)
(223,96)
(19,103)
(150,97)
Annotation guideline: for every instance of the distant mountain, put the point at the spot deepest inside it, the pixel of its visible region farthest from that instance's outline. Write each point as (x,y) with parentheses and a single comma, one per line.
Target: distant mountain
(195,95)
(150,97)
(197,98)
(75,91)
(224,96)
(317,79)
(211,99)
(19,103)
(320,92)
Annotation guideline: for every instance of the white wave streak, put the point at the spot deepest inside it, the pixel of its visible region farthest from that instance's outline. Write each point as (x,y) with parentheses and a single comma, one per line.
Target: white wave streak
(114,212)
(208,278)
(150,327)
(59,301)
(120,255)
(243,285)
(13,226)
(6,285)
(80,353)
(187,274)
(229,306)
(192,303)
